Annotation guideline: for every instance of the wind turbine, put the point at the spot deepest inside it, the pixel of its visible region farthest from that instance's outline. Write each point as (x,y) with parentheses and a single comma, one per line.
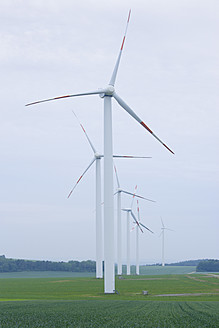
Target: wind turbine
(119,229)
(97,158)
(107,94)
(162,233)
(130,212)
(138,226)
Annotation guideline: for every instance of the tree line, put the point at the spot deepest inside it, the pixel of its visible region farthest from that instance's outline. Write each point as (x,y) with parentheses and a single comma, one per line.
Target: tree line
(13,265)
(208,266)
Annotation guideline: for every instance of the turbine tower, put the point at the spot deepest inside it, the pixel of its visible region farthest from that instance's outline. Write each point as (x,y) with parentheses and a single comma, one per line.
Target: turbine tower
(129,211)
(162,233)
(107,94)
(138,226)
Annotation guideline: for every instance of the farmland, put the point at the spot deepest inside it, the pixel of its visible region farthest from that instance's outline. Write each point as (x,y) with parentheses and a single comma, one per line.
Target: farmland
(109,314)
(176,300)
(144,270)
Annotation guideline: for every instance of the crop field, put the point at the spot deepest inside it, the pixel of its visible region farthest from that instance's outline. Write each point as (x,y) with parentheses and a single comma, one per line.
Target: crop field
(189,300)
(63,314)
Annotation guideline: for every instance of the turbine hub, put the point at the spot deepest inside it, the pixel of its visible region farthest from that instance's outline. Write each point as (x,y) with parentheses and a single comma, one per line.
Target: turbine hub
(109,91)
(98,156)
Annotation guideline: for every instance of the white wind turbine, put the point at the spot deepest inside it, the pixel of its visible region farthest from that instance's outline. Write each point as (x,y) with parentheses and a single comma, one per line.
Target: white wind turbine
(107,94)
(162,233)
(119,229)
(138,226)
(97,158)
(130,212)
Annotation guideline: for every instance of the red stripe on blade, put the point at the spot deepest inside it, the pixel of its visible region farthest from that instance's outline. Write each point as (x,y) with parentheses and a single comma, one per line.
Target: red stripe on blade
(169,149)
(145,126)
(61,97)
(79,178)
(123,43)
(83,128)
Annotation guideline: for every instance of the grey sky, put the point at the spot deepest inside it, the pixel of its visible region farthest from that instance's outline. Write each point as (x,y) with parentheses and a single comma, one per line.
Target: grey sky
(168,75)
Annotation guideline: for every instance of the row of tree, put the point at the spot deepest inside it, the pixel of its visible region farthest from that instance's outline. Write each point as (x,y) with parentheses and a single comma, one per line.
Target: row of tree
(12,265)
(208,266)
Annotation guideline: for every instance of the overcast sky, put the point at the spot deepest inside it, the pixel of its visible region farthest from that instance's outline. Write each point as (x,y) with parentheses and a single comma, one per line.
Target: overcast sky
(168,75)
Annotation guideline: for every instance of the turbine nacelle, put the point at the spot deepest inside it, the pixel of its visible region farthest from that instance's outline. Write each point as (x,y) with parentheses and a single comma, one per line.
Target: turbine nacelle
(98,156)
(109,91)
(127,209)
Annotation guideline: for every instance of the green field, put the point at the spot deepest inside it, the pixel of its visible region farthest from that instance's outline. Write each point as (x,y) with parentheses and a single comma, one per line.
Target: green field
(196,287)
(46,274)
(144,270)
(80,302)
(154,270)
(83,314)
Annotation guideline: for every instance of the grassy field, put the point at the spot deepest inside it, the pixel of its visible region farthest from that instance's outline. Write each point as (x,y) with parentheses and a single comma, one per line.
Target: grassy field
(154,270)
(201,287)
(144,270)
(46,274)
(80,302)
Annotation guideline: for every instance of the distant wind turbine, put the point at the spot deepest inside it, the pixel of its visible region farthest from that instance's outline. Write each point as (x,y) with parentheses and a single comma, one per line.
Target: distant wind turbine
(138,226)
(130,213)
(119,229)
(162,233)
(107,94)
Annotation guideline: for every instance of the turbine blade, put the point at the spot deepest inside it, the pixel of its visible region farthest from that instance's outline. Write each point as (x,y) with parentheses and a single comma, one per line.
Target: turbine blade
(117,178)
(132,113)
(168,229)
(135,195)
(145,227)
(113,78)
(69,96)
(133,215)
(88,139)
(93,160)
(162,222)
(138,211)
(136,221)
(130,156)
